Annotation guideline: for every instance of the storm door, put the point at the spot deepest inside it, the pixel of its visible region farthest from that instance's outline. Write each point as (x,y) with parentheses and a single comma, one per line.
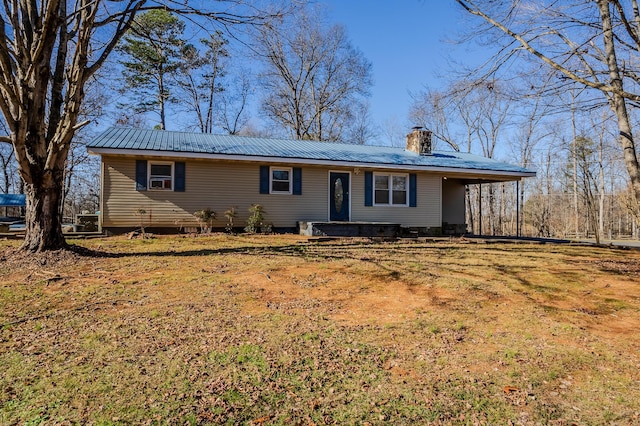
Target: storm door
(339,203)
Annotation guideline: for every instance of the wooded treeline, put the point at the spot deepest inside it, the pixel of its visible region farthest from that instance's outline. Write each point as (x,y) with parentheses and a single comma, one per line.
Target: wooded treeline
(581,189)
(297,75)
(575,61)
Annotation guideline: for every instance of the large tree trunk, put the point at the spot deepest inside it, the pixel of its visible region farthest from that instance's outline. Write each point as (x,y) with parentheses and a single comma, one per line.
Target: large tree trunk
(43,174)
(43,227)
(43,178)
(618,102)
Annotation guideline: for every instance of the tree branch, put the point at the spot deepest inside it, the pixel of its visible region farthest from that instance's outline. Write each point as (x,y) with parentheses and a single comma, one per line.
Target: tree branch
(470,7)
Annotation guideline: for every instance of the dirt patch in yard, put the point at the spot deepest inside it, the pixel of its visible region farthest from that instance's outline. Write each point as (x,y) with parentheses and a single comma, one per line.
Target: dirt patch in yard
(342,295)
(596,299)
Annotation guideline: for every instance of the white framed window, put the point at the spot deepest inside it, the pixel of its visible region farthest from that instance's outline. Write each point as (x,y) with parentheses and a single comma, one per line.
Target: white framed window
(390,189)
(280,180)
(161,175)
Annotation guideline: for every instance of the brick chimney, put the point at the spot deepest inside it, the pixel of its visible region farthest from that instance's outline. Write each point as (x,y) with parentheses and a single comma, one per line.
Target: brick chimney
(419,141)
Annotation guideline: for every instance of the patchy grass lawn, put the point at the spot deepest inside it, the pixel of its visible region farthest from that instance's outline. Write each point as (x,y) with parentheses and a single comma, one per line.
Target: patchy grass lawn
(280,330)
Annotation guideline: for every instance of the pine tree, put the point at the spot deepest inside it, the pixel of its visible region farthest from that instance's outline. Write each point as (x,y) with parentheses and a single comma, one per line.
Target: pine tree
(151,50)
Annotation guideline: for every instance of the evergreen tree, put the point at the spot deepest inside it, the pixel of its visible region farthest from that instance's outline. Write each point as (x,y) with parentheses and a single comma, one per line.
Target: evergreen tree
(152,49)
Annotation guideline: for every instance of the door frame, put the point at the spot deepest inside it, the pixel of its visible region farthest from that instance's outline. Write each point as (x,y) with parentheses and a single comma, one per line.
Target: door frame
(329,192)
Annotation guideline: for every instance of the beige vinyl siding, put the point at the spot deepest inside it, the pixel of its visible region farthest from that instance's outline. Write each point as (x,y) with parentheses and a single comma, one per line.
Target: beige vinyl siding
(284,210)
(209,184)
(121,201)
(427,212)
(221,185)
(453,193)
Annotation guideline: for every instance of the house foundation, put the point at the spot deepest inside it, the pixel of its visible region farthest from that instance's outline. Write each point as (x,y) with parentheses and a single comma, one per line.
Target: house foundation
(350,229)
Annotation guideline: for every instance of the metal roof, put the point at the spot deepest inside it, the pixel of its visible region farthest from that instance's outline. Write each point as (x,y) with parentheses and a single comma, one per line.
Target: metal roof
(13,200)
(157,142)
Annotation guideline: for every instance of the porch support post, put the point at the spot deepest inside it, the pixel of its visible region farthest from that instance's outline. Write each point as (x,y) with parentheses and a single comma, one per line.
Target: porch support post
(518,208)
(480,210)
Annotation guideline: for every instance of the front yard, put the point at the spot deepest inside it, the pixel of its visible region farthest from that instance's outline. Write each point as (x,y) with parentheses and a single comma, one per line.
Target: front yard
(282,330)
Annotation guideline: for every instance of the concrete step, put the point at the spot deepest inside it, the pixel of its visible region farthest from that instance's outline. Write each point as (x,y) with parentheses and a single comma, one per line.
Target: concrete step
(350,229)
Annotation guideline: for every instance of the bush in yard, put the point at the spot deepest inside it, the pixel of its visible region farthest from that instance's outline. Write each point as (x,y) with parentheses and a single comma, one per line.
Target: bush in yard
(256,217)
(205,217)
(230,215)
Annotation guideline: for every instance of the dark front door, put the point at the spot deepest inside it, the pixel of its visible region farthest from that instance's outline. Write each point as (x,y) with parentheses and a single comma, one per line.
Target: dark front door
(339,196)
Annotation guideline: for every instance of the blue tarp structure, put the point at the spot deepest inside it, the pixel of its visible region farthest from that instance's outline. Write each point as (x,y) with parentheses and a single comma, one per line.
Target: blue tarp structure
(13,200)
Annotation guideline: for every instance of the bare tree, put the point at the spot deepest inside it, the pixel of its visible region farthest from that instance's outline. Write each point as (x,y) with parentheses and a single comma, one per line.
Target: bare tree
(361,131)
(530,131)
(435,110)
(394,132)
(313,77)
(49,49)
(587,42)
(200,78)
(601,133)
(478,110)
(583,150)
(489,110)
(7,162)
(232,105)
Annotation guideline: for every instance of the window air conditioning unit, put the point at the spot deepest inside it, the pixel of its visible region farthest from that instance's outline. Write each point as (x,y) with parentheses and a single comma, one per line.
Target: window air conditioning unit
(160,183)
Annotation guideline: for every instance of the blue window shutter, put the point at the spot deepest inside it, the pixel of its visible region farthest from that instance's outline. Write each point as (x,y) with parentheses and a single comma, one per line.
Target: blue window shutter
(368,188)
(264,179)
(297,181)
(141,175)
(413,193)
(179,169)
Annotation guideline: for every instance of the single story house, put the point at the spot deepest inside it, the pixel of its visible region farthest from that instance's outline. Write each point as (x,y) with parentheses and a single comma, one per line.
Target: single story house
(160,178)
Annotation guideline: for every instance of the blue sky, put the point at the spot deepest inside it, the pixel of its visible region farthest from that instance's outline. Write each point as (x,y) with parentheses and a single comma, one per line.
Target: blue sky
(406,42)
